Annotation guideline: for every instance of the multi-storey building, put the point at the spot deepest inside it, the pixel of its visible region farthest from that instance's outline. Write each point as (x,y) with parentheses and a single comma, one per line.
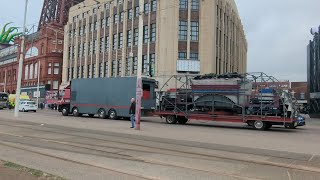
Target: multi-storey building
(179,37)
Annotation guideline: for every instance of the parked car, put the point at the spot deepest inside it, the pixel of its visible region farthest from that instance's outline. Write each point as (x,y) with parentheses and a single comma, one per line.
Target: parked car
(26,106)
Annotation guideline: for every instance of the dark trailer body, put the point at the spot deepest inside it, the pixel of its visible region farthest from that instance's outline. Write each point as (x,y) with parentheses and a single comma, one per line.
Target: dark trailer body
(109,97)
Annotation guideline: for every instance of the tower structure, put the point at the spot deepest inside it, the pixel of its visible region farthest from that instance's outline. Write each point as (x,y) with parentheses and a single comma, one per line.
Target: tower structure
(56,11)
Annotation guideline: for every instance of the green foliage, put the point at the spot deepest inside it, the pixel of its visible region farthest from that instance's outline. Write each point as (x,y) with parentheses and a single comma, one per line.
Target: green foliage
(8,35)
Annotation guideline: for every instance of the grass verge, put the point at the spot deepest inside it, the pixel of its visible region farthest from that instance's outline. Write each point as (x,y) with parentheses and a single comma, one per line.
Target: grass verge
(37,173)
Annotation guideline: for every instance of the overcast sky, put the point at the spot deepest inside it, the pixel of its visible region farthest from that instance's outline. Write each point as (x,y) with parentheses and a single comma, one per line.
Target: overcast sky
(277,32)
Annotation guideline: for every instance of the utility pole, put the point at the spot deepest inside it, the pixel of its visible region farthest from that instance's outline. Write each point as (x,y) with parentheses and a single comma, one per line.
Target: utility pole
(18,91)
(139,71)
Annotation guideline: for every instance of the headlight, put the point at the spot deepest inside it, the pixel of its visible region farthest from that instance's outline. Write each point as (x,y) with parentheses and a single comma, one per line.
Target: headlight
(300,118)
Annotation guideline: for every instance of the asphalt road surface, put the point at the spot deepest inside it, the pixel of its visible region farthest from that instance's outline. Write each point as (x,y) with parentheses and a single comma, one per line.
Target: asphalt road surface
(91,148)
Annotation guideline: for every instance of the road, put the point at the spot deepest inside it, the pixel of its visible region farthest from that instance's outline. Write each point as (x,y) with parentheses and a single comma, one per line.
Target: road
(91,148)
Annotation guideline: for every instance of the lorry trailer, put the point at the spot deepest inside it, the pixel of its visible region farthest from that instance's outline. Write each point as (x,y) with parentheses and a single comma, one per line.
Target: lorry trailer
(106,97)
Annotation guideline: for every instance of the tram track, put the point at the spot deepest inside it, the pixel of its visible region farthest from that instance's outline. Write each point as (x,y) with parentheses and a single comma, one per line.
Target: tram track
(165,151)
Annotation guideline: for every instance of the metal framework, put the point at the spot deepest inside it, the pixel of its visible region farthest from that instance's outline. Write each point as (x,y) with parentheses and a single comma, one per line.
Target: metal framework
(184,83)
(56,11)
(314,75)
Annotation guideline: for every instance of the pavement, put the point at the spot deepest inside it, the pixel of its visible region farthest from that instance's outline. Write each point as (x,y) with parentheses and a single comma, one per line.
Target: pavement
(91,148)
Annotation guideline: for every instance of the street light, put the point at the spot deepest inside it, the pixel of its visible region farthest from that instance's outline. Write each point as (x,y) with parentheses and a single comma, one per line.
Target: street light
(139,71)
(18,91)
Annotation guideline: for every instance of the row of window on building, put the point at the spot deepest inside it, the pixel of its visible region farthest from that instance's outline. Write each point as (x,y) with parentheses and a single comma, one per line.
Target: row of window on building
(117,41)
(183,4)
(194,30)
(131,66)
(31,70)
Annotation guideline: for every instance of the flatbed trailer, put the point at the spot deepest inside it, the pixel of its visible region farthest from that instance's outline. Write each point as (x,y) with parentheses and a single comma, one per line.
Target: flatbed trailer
(258,122)
(272,110)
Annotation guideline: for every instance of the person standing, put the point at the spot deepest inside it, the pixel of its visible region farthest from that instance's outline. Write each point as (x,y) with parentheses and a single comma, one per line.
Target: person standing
(132,111)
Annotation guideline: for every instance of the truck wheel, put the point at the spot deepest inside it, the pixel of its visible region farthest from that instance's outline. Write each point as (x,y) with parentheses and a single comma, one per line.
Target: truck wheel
(65,111)
(182,120)
(250,123)
(171,119)
(112,114)
(75,112)
(102,114)
(259,125)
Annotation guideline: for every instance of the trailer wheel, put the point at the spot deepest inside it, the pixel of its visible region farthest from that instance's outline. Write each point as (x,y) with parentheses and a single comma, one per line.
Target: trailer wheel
(75,112)
(65,111)
(260,125)
(171,119)
(112,114)
(102,114)
(182,120)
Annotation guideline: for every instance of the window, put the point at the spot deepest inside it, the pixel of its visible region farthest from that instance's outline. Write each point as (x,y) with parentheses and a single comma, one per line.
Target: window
(26,72)
(95,25)
(115,41)
(135,65)
(120,40)
(56,68)
(128,65)
(35,70)
(182,55)
(95,45)
(113,69)
(108,21)
(121,16)
(89,71)
(102,45)
(183,4)
(154,5)
(82,71)
(106,69)
(107,43)
(130,15)
(136,13)
(90,47)
(136,37)
(194,31)
(68,74)
(119,68)
(145,34)
(103,23)
(152,59)
(100,70)
(94,10)
(90,27)
(94,70)
(195,4)
(55,85)
(302,96)
(145,64)
(129,38)
(72,73)
(153,32)
(115,18)
(49,68)
(31,71)
(194,56)
(78,72)
(183,30)
(146,8)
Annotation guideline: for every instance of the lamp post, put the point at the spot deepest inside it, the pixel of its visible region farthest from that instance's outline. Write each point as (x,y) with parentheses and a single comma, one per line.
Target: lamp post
(139,71)
(18,91)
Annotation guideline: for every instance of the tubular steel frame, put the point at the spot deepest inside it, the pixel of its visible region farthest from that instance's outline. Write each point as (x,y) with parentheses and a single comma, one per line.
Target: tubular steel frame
(185,84)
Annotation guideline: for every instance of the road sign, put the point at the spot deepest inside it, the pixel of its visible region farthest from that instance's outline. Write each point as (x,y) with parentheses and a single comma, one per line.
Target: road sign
(36,94)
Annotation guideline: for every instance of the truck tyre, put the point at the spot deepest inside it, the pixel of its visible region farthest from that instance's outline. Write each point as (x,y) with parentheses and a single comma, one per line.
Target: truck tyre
(260,125)
(171,119)
(102,113)
(182,120)
(75,112)
(65,111)
(250,123)
(112,114)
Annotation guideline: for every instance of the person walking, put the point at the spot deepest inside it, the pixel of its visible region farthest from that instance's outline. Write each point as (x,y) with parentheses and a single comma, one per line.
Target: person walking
(132,111)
